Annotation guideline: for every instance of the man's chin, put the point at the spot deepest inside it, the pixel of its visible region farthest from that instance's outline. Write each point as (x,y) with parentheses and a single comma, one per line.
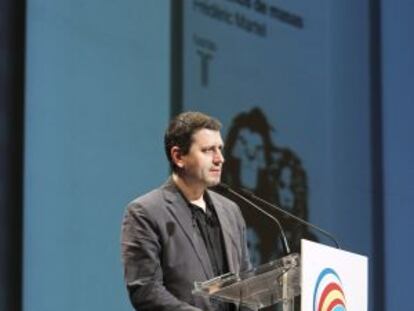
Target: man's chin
(212,183)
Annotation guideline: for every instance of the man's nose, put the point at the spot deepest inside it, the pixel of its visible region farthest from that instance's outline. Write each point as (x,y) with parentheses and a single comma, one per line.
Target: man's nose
(218,157)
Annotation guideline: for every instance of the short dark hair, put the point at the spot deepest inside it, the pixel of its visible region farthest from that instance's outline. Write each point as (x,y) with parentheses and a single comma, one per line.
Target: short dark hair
(182,128)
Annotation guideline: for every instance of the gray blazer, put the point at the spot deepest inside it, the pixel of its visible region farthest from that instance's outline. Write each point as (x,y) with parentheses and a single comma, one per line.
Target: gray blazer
(163,254)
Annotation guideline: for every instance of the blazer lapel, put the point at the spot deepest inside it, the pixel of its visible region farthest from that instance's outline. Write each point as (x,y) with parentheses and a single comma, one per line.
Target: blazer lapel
(181,212)
(227,232)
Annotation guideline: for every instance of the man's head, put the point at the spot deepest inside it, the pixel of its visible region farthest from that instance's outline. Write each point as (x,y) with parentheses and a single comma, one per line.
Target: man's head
(181,130)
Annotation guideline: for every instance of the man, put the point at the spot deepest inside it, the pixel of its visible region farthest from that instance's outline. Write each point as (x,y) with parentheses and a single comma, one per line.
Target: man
(182,232)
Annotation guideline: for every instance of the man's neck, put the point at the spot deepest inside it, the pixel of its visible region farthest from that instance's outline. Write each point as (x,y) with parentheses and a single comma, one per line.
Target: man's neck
(193,193)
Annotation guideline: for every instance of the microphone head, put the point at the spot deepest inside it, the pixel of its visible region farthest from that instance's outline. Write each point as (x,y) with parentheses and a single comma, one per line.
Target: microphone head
(222,186)
(226,188)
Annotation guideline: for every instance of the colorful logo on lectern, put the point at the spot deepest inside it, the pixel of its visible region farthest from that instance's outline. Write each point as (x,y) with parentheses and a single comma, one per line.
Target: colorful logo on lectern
(329,294)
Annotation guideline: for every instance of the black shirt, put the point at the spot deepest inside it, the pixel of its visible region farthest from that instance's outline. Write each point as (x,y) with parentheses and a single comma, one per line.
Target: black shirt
(208,226)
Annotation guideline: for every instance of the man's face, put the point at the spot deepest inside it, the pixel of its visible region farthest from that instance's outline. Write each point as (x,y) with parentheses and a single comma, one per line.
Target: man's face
(203,163)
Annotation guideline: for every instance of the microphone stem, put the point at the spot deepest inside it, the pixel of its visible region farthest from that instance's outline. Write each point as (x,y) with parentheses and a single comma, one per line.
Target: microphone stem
(285,244)
(326,233)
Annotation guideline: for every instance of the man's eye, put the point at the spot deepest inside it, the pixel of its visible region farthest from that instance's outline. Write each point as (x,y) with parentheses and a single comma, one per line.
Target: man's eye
(212,149)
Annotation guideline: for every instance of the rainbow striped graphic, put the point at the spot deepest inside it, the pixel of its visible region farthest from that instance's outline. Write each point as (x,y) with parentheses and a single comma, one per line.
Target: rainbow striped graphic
(328,294)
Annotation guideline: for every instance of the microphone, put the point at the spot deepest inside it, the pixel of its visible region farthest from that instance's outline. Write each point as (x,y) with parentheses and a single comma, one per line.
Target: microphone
(252,196)
(285,245)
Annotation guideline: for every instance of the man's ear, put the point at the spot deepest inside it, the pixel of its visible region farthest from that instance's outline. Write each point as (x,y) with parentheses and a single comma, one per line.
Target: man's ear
(177,156)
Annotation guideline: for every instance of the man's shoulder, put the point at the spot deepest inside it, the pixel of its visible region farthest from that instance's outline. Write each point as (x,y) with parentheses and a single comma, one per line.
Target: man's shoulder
(149,197)
(229,206)
(154,200)
(219,197)
(147,201)
(227,209)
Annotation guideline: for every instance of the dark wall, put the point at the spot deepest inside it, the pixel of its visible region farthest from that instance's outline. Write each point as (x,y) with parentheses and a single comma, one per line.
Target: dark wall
(398,150)
(11,145)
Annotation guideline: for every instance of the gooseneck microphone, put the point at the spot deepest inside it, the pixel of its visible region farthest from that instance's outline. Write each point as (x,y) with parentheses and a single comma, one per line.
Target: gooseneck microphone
(285,244)
(252,196)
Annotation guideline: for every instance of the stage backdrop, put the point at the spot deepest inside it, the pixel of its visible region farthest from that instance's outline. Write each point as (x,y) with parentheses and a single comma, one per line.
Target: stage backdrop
(97,101)
(290,81)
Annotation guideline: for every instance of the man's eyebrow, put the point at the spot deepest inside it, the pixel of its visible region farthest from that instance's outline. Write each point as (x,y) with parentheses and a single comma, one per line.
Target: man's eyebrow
(220,146)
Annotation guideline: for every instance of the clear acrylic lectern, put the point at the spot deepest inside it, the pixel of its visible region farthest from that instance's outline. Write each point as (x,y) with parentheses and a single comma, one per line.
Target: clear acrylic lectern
(269,284)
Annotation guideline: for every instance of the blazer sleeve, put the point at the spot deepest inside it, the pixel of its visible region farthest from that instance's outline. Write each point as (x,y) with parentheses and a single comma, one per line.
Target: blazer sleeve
(143,274)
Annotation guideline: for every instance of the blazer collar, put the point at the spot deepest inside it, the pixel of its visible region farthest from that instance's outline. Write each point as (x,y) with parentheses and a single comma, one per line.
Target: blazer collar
(225,229)
(180,210)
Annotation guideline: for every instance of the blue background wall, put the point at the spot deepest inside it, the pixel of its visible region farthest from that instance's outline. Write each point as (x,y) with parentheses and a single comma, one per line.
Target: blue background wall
(97,101)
